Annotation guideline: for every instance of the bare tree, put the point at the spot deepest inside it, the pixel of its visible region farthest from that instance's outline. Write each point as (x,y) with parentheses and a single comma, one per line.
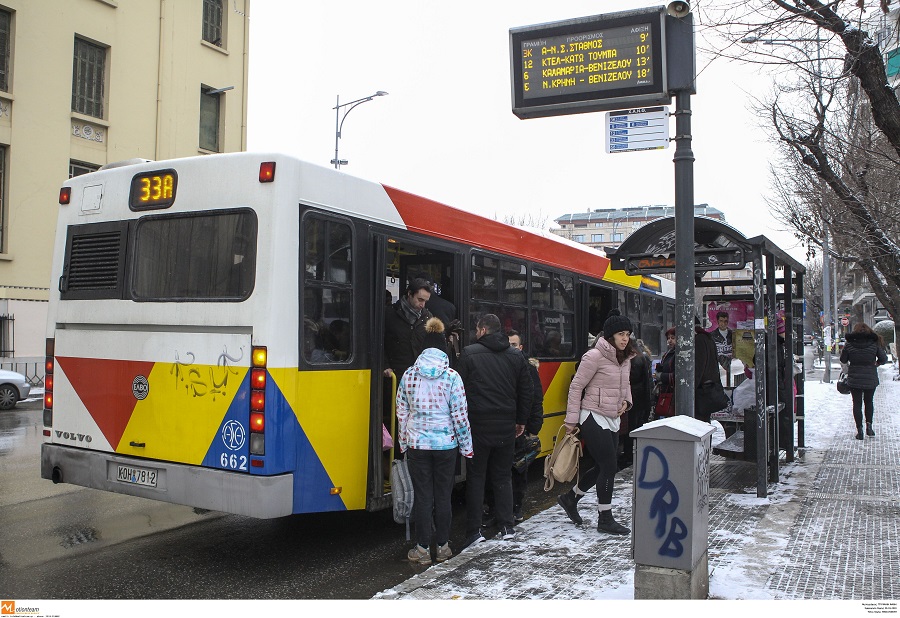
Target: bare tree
(527,219)
(836,121)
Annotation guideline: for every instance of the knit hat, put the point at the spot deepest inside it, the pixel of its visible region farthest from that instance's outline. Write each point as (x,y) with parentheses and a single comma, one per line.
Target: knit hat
(615,323)
(434,335)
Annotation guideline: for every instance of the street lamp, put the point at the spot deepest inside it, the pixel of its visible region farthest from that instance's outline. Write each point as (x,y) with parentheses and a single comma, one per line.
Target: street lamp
(339,122)
(826,252)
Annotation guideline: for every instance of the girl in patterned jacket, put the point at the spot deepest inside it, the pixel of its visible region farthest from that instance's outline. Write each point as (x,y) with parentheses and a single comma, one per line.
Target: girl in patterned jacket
(433,420)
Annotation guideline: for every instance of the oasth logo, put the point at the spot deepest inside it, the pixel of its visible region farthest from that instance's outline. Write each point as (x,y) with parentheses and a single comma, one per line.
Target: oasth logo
(7,607)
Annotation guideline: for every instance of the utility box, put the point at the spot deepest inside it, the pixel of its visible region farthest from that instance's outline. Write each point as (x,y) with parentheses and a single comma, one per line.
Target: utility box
(671,493)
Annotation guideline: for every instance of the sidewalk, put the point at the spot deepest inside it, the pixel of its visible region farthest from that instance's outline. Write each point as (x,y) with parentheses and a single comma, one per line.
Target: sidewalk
(830,529)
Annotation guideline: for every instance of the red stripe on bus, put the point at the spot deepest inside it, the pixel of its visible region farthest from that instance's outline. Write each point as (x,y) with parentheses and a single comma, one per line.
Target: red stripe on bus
(106,389)
(442,221)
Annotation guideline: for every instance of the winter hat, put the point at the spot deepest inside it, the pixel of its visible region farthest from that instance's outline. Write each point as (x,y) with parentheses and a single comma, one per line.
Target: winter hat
(616,322)
(434,335)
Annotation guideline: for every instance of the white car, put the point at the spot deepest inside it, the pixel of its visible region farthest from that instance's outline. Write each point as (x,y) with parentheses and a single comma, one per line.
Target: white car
(14,387)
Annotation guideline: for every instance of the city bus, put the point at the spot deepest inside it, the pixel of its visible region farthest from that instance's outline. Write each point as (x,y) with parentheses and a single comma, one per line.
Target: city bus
(215,325)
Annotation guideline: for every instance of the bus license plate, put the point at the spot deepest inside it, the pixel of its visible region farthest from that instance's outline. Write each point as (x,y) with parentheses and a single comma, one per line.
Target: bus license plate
(137,476)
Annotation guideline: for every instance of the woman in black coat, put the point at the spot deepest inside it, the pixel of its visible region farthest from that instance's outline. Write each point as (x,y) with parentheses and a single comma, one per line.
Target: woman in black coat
(863,352)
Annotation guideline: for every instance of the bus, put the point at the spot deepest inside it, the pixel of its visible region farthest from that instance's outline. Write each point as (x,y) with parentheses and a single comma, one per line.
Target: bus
(215,326)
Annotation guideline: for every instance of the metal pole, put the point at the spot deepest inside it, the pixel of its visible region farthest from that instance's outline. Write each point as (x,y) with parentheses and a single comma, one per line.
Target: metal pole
(759,373)
(826,255)
(337,132)
(834,293)
(684,257)
(826,293)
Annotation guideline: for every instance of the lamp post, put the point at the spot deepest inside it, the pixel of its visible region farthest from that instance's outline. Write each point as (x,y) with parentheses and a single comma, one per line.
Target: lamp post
(830,322)
(339,122)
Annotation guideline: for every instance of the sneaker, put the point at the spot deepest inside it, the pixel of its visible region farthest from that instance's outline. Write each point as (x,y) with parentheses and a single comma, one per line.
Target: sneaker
(476,537)
(518,518)
(419,555)
(507,533)
(443,552)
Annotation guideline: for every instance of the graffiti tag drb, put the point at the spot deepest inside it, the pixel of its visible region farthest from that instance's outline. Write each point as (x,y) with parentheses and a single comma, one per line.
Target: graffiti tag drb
(664,503)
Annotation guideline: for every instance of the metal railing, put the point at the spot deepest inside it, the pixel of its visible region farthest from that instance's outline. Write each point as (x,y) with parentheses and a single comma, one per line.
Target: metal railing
(32,367)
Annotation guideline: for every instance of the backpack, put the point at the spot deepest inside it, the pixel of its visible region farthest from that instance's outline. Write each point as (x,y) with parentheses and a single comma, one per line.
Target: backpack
(401,492)
(562,464)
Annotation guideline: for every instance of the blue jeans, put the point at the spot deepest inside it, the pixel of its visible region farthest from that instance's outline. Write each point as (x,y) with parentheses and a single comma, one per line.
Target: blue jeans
(432,475)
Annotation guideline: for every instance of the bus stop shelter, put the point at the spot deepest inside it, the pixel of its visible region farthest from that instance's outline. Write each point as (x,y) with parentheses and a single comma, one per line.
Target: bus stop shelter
(775,279)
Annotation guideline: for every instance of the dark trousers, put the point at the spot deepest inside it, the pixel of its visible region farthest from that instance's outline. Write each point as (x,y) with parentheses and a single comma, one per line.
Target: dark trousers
(495,459)
(519,486)
(859,397)
(598,462)
(432,478)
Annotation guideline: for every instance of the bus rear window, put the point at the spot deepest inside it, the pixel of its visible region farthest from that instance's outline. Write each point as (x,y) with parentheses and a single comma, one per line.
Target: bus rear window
(204,256)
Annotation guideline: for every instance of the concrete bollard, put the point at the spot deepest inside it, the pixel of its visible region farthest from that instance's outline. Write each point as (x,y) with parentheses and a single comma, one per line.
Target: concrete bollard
(670,509)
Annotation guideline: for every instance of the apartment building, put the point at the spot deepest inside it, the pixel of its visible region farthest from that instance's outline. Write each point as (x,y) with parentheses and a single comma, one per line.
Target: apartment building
(84,83)
(608,227)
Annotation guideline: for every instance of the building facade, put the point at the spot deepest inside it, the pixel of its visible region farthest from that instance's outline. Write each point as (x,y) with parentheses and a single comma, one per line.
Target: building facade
(608,227)
(84,83)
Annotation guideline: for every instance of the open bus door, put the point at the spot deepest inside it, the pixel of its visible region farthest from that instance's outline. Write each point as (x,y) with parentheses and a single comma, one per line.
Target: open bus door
(396,261)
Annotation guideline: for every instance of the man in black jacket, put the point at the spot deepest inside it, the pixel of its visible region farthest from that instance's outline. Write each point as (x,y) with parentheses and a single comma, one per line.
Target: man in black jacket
(533,425)
(404,328)
(499,393)
(528,445)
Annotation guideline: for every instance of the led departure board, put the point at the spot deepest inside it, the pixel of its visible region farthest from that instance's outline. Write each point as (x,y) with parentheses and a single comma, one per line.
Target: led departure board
(596,63)
(153,190)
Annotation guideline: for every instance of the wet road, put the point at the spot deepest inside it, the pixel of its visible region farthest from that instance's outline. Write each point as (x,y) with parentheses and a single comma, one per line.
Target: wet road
(68,542)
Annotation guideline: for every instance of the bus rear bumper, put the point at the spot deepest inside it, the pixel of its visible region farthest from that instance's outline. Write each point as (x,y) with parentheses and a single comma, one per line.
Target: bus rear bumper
(264,497)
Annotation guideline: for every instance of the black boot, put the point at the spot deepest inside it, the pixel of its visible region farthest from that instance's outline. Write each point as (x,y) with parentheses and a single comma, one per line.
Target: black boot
(869,431)
(859,433)
(569,502)
(606,523)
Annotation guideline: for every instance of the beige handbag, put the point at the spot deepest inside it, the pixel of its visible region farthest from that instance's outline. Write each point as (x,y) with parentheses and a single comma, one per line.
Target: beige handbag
(562,464)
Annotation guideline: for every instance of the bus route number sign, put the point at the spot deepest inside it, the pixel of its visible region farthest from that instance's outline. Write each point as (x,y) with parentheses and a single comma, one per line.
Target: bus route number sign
(607,62)
(153,190)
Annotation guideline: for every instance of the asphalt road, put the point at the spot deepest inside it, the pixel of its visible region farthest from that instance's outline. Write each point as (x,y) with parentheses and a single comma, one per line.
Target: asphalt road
(68,542)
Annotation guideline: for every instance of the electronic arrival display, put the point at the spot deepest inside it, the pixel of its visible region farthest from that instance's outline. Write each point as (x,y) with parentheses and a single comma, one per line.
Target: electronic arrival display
(597,63)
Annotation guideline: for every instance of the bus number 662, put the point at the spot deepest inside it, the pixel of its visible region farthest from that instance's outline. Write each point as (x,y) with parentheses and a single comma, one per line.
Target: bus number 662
(235,462)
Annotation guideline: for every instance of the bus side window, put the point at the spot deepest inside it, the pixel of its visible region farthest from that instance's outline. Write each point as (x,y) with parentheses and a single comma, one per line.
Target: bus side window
(328,295)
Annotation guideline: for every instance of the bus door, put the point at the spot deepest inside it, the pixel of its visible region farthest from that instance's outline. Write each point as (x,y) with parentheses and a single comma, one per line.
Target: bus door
(400,260)
(600,300)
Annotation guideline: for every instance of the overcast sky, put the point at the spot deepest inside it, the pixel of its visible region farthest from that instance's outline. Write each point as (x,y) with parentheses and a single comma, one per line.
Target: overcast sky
(446,130)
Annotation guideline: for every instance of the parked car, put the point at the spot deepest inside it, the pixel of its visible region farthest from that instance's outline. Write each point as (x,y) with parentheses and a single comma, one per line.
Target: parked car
(14,387)
(807,339)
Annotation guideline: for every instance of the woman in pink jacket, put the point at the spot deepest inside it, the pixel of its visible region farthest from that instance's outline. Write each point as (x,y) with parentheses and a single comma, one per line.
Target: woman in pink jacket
(599,395)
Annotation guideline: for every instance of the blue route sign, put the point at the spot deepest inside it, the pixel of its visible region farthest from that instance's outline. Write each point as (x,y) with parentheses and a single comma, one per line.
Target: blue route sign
(642,128)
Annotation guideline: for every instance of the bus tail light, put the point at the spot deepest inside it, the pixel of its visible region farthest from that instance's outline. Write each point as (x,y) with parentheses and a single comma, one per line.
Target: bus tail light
(48,384)
(267,171)
(65,195)
(258,360)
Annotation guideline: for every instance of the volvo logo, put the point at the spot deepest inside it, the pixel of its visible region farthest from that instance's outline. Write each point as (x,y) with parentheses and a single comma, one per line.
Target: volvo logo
(140,388)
